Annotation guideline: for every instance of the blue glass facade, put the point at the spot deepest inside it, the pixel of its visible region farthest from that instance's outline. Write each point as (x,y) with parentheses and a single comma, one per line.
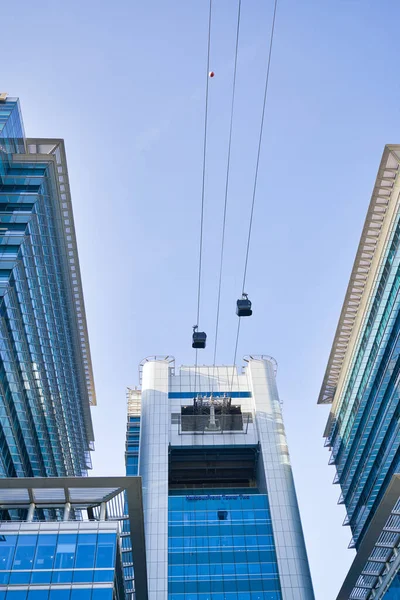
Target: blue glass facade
(393,592)
(221,547)
(362,384)
(60,565)
(45,365)
(220,510)
(132,445)
(132,468)
(365,435)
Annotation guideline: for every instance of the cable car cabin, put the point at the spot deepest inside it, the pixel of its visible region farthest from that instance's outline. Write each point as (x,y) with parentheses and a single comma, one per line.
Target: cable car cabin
(199,339)
(243,307)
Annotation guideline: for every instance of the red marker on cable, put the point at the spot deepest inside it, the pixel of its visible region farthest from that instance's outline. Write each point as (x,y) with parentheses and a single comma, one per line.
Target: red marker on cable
(211,74)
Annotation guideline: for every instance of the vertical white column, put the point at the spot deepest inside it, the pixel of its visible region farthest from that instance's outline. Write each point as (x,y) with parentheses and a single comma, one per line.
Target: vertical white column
(291,553)
(153,468)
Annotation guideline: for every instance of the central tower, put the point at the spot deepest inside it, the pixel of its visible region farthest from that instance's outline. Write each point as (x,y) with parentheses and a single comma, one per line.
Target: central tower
(220,508)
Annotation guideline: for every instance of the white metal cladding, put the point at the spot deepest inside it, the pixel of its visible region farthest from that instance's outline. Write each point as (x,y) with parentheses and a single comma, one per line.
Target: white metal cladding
(294,572)
(21,527)
(158,428)
(46,491)
(382,196)
(153,468)
(134,398)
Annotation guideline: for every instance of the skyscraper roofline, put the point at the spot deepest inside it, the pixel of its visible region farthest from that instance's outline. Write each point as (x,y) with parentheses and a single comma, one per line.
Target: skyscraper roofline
(377,228)
(55,148)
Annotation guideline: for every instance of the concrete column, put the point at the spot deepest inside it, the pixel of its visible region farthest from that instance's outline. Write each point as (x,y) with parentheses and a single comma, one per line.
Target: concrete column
(67,510)
(103,511)
(31,512)
(153,468)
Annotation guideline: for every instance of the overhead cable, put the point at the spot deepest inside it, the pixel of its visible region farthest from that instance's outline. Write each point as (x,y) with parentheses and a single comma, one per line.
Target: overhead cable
(256,175)
(259,145)
(204,165)
(203,175)
(227,183)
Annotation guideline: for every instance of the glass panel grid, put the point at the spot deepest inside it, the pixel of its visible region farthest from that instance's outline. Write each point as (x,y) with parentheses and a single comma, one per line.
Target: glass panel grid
(221,546)
(70,558)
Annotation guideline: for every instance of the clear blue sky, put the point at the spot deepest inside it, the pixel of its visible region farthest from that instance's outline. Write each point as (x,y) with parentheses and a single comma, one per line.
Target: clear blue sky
(123,83)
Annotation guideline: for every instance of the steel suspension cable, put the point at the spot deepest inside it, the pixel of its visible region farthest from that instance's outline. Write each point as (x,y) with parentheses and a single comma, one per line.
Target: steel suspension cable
(203,176)
(259,144)
(227,184)
(204,166)
(234,356)
(256,177)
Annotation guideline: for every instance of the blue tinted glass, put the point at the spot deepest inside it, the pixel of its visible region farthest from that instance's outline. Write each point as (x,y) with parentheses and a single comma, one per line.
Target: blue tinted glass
(106,550)
(102,594)
(62,577)
(59,594)
(38,594)
(18,577)
(65,552)
(41,576)
(258,501)
(394,589)
(107,575)
(81,594)
(45,551)
(26,546)
(215,548)
(85,551)
(268,568)
(84,576)
(16,595)
(7,548)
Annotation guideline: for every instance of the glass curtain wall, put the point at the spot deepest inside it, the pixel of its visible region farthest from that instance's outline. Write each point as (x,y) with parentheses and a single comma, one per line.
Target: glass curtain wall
(43,431)
(221,547)
(131,464)
(55,566)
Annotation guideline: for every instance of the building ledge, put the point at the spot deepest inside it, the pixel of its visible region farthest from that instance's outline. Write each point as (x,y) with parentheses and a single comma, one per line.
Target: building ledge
(363,272)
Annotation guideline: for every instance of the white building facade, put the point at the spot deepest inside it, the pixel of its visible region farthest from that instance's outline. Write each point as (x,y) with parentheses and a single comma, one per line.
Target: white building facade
(221,515)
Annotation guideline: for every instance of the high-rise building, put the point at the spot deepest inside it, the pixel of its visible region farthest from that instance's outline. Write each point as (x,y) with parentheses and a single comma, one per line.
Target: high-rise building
(62,536)
(362,385)
(133,432)
(220,508)
(46,379)
(77,557)
(132,467)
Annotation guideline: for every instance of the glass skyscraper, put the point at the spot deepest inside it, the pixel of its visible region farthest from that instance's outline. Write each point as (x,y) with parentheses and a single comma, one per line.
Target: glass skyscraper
(220,509)
(133,432)
(362,385)
(132,467)
(46,379)
(63,536)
